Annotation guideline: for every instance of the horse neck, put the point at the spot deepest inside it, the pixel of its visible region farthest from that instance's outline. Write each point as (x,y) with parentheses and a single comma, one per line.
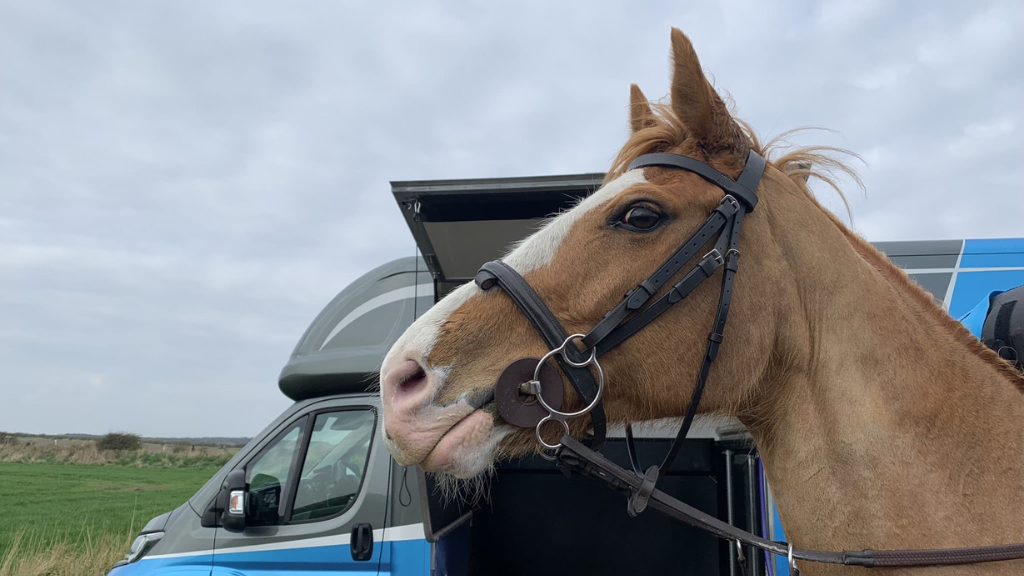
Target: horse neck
(885,428)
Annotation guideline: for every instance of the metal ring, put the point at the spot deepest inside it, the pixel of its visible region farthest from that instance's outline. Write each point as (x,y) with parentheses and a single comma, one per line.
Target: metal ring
(591,361)
(585,363)
(540,438)
(564,415)
(549,455)
(793,570)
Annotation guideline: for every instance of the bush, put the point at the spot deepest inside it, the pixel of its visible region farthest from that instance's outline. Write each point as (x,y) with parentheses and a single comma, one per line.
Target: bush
(8,439)
(120,441)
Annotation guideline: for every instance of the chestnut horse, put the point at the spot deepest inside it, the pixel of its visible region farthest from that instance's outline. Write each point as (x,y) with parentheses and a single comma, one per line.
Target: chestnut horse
(881,421)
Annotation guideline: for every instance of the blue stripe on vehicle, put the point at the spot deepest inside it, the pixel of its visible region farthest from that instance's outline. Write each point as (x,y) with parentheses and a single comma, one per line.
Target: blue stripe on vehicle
(404,558)
(993,253)
(778,534)
(407,558)
(972,287)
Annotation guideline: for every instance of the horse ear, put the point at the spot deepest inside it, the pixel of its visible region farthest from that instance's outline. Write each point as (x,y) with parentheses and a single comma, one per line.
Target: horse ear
(696,103)
(640,113)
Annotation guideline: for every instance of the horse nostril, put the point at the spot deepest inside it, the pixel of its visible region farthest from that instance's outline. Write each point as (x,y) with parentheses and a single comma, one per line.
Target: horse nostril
(406,385)
(412,381)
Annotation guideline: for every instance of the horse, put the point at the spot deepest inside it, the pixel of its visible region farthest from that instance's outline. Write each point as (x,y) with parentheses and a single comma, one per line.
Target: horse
(881,421)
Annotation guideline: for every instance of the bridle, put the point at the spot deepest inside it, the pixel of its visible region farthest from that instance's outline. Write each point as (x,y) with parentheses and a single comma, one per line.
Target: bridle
(630,315)
(528,394)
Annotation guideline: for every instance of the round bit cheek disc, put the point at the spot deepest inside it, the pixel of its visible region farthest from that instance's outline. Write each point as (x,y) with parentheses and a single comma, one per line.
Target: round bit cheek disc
(524,410)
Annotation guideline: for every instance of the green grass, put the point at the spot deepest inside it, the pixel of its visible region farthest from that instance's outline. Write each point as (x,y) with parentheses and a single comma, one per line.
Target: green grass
(71,507)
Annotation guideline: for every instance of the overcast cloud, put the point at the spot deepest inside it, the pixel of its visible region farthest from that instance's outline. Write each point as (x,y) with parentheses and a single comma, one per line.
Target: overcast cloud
(183,185)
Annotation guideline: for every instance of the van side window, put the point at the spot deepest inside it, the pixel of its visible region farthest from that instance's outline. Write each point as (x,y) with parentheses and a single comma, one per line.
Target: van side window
(267,476)
(335,462)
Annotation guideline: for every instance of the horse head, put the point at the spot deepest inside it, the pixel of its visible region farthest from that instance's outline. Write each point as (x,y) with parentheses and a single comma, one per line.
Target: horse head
(439,376)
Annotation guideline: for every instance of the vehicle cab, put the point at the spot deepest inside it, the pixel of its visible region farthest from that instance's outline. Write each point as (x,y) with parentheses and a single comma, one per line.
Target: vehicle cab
(315,491)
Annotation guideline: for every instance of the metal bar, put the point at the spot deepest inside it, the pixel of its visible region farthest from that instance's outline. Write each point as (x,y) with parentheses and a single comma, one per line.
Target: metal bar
(729,512)
(753,506)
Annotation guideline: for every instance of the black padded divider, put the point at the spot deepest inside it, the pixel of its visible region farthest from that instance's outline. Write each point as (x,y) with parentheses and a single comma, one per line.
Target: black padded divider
(538,522)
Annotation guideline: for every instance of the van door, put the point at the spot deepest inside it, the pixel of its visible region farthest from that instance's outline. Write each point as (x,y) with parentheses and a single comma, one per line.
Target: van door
(319,477)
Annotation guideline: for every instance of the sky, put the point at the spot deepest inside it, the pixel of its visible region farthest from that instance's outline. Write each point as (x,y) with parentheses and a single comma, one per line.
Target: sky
(183,185)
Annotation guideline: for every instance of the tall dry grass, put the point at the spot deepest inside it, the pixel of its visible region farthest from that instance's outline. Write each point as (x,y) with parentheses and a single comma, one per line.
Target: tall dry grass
(88,454)
(87,555)
(46,552)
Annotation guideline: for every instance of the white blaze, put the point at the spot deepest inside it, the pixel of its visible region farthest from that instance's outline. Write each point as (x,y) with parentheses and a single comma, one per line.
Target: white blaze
(530,254)
(538,249)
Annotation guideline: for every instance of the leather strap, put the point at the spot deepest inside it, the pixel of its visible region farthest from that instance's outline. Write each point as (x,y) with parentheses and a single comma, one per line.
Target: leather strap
(714,338)
(644,291)
(575,457)
(702,271)
(743,188)
(498,273)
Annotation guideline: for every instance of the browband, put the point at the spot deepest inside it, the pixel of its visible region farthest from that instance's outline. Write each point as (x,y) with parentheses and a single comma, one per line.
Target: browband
(743,188)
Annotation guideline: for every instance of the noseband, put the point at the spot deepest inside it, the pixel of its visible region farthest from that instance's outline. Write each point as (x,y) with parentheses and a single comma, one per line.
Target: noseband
(533,403)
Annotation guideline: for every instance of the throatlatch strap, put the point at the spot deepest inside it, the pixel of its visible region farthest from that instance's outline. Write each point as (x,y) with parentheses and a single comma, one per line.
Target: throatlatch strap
(551,330)
(714,338)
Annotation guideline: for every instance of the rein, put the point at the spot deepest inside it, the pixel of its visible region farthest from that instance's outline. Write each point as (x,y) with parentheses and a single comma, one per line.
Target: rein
(533,403)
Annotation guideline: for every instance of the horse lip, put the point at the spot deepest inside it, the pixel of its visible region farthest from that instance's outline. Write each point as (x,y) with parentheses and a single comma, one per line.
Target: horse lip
(480,399)
(455,425)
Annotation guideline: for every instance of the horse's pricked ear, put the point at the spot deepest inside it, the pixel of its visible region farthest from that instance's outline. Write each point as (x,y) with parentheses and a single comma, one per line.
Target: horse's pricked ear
(640,113)
(697,104)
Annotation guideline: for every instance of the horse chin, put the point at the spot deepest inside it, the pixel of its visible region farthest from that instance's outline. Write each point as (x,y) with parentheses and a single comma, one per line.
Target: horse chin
(468,448)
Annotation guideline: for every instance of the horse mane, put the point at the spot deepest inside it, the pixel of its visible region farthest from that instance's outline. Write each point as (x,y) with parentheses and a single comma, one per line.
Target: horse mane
(801,164)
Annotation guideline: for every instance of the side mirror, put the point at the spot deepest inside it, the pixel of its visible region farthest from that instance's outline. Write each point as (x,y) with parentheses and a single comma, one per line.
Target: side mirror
(235,494)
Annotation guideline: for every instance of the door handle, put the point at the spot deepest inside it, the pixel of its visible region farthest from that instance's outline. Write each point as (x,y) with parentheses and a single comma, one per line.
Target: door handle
(362,542)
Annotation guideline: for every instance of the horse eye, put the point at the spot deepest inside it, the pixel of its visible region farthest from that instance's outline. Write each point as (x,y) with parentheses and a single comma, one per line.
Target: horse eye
(641,218)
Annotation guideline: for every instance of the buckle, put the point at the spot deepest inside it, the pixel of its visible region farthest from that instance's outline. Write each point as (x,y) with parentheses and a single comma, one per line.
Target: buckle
(716,255)
(735,203)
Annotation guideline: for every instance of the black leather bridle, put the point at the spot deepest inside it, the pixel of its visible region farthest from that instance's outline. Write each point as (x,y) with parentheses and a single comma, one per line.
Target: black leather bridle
(636,310)
(532,403)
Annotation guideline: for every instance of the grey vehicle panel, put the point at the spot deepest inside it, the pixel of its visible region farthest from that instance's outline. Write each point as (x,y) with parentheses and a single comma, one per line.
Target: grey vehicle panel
(157,524)
(184,536)
(343,347)
(404,505)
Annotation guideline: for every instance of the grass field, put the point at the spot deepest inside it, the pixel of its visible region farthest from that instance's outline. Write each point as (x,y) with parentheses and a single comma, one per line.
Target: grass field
(62,518)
